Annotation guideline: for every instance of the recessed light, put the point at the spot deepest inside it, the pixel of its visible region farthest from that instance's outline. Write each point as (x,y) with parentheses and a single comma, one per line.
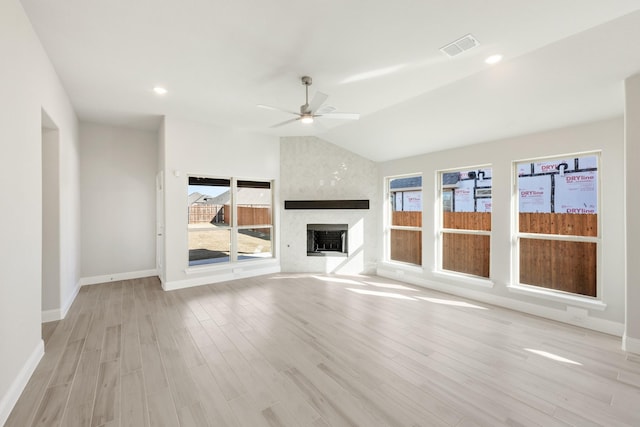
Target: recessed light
(493,59)
(160,90)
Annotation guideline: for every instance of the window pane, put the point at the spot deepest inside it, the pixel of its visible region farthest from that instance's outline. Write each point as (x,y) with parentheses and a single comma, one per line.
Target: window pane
(560,265)
(466,205)
(254,243)
(466,199)
(467,220)
(209,201)
(466,253)
(564,224)
(208,244)
(406,246)
(254,203)
(409,219)
(406,201)
(559,196)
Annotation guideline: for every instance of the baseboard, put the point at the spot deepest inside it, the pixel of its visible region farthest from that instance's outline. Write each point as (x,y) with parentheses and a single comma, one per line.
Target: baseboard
(60,313)
(222,276)
(93,280)
(632,345)
(51,315)
(9,400)
(564,316)
(70,300)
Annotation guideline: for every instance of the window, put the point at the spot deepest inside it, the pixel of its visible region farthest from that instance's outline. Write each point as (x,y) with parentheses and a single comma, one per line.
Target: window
(465,228)
(229,220)
(557,231)
(254,219)
(209,226)
(404,227)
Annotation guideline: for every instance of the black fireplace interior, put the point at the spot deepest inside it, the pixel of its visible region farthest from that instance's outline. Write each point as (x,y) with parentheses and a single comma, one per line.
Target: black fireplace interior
(327,239)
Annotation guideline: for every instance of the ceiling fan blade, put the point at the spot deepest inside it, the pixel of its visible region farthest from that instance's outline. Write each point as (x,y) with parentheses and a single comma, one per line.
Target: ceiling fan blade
(343,116)
(285,122)
(269,107)
(317,101)
(325,109)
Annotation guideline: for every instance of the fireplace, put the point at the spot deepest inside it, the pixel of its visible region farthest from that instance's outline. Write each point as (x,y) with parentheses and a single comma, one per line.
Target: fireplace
(327,239)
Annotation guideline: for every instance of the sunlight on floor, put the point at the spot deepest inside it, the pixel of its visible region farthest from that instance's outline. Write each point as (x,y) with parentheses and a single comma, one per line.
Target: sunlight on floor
(552,356)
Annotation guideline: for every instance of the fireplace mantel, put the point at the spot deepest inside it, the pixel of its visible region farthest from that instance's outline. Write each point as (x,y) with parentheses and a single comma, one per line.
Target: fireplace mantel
(326,204)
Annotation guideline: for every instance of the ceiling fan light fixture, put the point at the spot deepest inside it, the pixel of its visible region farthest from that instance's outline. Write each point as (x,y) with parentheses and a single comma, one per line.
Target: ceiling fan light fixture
(310,110)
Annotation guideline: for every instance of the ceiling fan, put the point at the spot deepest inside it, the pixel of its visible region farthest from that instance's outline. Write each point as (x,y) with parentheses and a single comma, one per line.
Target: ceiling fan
(309,111)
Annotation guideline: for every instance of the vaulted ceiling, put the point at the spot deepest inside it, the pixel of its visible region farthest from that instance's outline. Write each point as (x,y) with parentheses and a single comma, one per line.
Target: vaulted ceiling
(564,63)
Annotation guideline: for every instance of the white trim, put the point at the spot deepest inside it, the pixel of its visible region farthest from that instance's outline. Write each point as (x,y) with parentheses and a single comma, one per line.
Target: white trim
(464,231)
(566,316)
(236,272)
(93,280)
(402,267)
(565,297)
(51,315)
(405,227)
(60,313)
(562,237)
(228,266)
(16,388)
(464,278)
(70,300)
(631,345)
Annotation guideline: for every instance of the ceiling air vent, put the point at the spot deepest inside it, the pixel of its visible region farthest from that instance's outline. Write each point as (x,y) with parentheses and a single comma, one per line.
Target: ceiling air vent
(462,44)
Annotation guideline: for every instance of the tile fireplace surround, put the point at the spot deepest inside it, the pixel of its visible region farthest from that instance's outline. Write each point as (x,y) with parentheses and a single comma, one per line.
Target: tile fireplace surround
(314,170)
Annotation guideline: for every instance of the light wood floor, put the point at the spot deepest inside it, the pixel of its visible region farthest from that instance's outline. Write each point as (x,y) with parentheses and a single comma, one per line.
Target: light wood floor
(304,350)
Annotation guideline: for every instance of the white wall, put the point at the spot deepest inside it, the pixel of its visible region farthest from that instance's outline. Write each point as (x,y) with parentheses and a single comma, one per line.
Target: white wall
(197,149)
(29,85)
(313,169)
(160,206)
(50,221)
(607,136)
(118,168)
(632,183)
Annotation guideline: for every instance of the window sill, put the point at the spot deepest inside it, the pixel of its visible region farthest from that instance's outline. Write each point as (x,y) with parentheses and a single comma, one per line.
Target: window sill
(569,299)
(226,266)
(464,278)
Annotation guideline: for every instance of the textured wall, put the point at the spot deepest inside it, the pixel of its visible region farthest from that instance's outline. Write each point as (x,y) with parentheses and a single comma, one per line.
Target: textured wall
(313,169)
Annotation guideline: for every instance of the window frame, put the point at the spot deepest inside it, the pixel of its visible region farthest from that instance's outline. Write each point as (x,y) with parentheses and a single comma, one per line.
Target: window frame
(548,293)
(388,219)
(441,230)
(233,227)
(235,217)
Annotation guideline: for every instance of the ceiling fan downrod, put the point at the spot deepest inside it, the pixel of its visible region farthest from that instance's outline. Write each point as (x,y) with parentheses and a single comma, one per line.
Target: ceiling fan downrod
(306,81)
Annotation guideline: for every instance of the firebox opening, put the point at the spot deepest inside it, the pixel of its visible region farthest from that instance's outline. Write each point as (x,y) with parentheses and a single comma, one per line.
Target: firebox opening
(327,239)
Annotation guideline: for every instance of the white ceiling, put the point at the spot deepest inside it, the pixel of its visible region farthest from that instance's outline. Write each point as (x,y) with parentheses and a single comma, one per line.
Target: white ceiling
(565,62)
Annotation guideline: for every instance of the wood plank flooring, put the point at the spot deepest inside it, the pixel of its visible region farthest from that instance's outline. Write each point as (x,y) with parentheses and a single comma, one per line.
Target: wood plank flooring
(319,351)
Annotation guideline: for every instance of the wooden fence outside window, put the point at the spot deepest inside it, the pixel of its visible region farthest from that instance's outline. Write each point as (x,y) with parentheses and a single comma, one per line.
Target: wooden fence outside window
(555,264)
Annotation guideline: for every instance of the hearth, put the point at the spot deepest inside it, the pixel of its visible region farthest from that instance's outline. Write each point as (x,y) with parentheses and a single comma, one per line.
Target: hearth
(327,239)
